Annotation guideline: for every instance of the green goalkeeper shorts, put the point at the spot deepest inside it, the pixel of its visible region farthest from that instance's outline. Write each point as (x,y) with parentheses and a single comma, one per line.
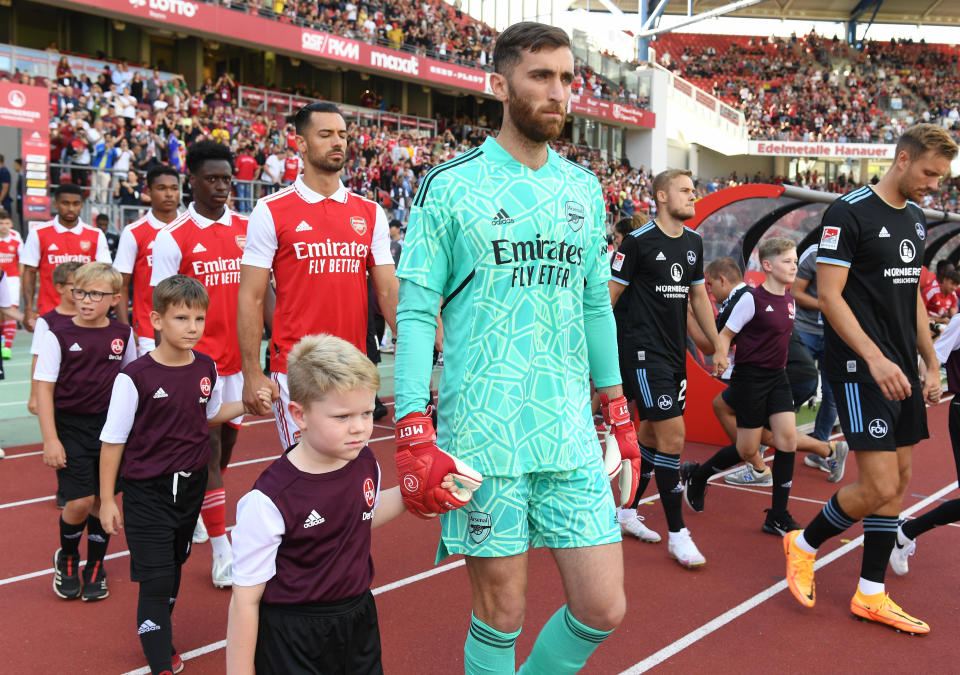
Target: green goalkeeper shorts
(508,515)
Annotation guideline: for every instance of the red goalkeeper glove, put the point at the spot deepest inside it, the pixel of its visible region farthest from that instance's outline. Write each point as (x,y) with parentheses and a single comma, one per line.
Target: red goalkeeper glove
(622,454)
(422,467)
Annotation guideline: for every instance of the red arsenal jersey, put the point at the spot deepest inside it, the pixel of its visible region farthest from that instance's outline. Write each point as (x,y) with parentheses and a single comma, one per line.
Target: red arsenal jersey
(10,254)
(135,257)
(51,244)
(319,249)
(209,251)
(291,168)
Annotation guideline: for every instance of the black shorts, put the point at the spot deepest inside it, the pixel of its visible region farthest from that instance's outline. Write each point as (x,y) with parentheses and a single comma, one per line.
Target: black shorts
(756,393)
(319,638)
(80,436)
(872,422)
(660,393)
(159,515)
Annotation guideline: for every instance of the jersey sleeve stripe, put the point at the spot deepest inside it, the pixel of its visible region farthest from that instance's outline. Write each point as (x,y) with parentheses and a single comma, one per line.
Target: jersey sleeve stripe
(856,193)
(579,166)
(463,159)
(699,281)
(619,281)
(456,291)
(643,228)
(691,231)
(832,261)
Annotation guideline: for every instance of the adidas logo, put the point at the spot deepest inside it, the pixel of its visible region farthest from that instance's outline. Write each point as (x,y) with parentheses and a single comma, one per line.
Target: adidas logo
(53,247)
(788,484)
(768,309)
(313,519)
(884,233)
(147,626)
(502,218)
(199,248)
(76,348)
(660,256)
(304,227)
(160,393)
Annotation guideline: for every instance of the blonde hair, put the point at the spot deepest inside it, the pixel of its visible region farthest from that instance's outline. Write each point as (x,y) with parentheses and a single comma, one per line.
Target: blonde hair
(319,364)
(662,180)
(922,138)
(95,272)
(775,246)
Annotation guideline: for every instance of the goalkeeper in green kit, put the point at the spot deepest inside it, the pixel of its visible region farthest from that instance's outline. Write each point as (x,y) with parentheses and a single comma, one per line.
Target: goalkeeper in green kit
(508,241)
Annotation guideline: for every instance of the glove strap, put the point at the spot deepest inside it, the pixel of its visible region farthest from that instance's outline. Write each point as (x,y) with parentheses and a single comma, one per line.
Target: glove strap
(615,412)
(416,428)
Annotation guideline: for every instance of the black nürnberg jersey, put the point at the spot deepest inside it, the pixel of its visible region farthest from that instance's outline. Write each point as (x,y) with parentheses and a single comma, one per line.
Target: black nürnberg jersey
(658,271)
(883,248)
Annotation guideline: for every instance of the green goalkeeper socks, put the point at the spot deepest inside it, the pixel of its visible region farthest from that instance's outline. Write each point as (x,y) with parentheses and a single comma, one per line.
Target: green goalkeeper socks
(563,646)
(488,651)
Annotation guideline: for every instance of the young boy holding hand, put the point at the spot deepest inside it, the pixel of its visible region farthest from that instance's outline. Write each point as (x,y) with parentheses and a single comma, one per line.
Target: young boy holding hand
(76,367)
(302,566)
(156,437)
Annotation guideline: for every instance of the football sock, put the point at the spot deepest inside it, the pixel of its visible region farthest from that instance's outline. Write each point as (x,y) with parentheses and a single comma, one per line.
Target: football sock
(830,522)
(724,458)
(221,547)
(647,458)
(667,474)
(944,514)
(782,480)
(70,537)
(879,538)
(153,622)
(563,646)
(97,540)
(487,650)
(214,512)
(868,587)
(9,331)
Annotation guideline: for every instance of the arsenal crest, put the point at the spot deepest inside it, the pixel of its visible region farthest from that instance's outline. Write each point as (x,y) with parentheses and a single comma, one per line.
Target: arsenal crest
(241,240)
(84,245)
(359,225)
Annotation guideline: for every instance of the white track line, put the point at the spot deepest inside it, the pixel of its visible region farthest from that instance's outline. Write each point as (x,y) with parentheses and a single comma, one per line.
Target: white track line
(765,492)
(706,629)
(220,644)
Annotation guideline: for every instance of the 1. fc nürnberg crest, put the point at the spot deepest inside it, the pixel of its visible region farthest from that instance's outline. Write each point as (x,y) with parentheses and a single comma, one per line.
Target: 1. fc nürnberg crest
(359,225)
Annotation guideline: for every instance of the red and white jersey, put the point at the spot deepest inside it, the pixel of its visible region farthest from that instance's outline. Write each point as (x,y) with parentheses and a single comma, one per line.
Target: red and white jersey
(319,249)
(135,257)
(209,251)
(50,244)
(292,166)
(10,253)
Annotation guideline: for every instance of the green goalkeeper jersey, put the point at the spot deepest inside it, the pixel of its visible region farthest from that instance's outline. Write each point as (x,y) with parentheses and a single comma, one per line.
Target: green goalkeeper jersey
(520,260)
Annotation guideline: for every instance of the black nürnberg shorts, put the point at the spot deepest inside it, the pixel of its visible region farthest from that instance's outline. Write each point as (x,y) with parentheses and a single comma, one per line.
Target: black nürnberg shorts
(80,436)
(870,421)
(756,393)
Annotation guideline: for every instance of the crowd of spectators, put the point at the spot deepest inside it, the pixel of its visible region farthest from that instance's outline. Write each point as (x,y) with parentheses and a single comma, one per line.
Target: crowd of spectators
(817,89)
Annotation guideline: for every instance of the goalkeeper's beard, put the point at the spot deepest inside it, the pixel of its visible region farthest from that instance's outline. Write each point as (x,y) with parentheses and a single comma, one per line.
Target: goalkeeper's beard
(528,122)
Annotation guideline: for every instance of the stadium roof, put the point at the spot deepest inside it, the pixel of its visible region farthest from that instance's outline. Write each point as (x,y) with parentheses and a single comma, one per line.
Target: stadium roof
(930,12)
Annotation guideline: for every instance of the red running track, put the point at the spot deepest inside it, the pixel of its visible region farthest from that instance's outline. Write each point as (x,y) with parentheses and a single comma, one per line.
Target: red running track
(732,614)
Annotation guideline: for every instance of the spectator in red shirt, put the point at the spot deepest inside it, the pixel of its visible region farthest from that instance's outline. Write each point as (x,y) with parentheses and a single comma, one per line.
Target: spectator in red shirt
(291,167)
(943,305)
(245,172)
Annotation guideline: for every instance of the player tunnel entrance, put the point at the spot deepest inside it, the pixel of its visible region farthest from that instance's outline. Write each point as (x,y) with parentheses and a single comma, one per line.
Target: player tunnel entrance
(732,222)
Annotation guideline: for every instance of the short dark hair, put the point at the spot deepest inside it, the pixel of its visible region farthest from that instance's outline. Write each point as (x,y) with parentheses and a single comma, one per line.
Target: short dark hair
(4,214)
(943,265)
(65,270)
(206,150)
(68,189)
(161,170)
(301,121)
(528,36)
(625,226)
(179,289)
(953,276)
(103,218)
